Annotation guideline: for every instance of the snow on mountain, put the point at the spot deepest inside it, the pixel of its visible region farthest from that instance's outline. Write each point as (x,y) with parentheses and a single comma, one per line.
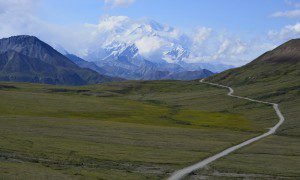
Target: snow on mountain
(153,41)
(176,55)
(141,49)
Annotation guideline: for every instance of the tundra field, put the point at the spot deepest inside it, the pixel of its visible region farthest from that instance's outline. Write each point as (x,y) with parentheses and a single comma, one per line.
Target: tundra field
(135,129)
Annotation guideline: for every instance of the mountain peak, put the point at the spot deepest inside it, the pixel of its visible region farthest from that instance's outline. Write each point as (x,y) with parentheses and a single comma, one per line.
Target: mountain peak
(293,43)
(177,54)
(292,46)
(287,52)
(152,24)
(294,40)
(23,38)
(28,59)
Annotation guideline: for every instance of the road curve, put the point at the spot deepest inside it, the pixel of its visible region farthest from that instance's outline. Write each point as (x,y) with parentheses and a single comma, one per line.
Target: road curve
(184,172)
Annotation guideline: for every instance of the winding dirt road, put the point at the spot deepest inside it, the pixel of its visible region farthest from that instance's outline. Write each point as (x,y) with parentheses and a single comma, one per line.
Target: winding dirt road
(184,172)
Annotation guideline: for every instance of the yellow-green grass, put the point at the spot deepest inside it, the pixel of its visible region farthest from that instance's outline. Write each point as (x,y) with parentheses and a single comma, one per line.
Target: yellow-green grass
(274,157)
(131,129)
(278,156)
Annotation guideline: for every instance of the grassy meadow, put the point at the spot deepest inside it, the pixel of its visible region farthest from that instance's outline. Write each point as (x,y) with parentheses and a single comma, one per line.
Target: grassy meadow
(277,156)
(137,130)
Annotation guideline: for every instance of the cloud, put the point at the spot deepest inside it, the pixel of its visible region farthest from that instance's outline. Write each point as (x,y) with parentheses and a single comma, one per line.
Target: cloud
(292,3)
(18,6)
(202,34)
(18,17)
(149,45)
(224,47)
(152,39)
(295,13)
(286,33)
(118,3)
(288,14)
(108,23)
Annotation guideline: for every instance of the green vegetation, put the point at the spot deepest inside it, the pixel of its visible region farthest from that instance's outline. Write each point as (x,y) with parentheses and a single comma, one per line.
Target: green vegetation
(136,130)
(273,77)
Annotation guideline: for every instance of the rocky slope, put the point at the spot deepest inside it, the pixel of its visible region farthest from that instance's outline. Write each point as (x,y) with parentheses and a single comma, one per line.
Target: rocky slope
(28,59)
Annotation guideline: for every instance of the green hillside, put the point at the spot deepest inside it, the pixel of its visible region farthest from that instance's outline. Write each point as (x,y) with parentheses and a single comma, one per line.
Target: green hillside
(136,129)
(149,129)
(273,77)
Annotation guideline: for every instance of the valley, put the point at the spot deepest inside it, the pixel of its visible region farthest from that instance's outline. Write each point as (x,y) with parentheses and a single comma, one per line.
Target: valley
(135,98)
(148,129)
(151,129)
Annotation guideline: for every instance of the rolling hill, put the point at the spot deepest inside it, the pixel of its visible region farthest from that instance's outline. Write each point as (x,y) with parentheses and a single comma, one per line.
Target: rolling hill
(281,63)
(272,77)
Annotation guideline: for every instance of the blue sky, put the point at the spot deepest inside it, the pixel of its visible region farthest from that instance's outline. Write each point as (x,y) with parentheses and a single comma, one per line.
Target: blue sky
(228,31)
(235,15)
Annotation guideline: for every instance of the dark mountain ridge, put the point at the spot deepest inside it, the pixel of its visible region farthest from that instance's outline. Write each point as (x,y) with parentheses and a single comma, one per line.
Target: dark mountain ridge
(28,59)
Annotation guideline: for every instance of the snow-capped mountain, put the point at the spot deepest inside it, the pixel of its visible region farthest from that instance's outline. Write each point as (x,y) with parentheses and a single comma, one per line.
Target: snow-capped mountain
(125,61)
(141,50)
(153,41)
(176,55)
(119,36)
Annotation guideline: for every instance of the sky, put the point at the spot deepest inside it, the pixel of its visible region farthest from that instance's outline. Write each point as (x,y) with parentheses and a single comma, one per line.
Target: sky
(248,27)
(234,15)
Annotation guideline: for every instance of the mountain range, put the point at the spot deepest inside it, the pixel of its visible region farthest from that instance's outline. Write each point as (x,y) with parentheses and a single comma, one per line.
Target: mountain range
(143,50)
(145,39)
(28,59)
(129,65)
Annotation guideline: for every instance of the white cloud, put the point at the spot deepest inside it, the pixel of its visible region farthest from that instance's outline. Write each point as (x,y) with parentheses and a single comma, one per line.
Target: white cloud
(202,34)
(288,14)
(295,13)
(292,3)
(224,46)
(286,33)
(18,6)
(240,48)
(18,17)
(109,23)
(149,45)
(119,3)
(152,39)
